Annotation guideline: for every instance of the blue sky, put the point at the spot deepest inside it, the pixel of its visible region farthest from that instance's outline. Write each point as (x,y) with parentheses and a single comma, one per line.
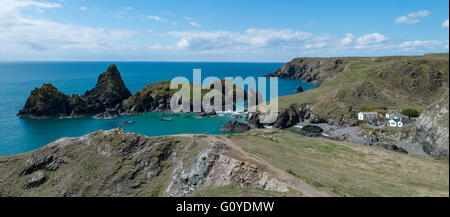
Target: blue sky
(206,30)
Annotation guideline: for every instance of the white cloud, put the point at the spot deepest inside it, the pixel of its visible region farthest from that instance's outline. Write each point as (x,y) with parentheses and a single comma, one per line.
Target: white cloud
(227,40)
(412,18)
(347,40)
(157,18)
(251,39)
(194,24)
(11,6)
(287,40)
(423,44)
(370,39)
(445,24)
(41,34)
(26,37)
(83,8)
(191,21)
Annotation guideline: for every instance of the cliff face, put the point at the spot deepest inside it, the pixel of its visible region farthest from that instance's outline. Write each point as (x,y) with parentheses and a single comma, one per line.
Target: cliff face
(49,102)
(313,70)
(432,129)
(117,163)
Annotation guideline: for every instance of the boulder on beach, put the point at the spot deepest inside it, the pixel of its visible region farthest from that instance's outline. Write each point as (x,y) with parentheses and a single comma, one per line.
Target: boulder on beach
(299,89)
(311,131)
(207,114)
(235,126)
(110,114)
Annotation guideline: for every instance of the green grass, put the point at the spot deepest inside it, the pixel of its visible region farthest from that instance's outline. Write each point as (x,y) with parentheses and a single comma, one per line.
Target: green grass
(349,169)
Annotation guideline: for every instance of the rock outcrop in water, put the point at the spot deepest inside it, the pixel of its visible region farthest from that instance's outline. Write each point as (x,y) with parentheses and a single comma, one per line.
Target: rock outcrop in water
(48,102)
(432,129)
(110,89)
(117,163)
(154,97)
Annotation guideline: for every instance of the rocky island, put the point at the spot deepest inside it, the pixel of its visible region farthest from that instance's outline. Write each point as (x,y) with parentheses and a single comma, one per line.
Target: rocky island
(107,96)
(110,98)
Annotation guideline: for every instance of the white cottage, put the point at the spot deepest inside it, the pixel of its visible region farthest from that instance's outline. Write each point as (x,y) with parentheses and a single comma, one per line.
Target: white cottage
(367,115)
(395,123)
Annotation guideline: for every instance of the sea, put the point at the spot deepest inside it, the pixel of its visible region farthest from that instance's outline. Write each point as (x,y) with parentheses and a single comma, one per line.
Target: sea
(18,79)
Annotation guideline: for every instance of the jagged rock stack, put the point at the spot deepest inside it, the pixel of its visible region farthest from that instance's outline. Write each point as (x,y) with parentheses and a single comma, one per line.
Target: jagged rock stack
(107,96)
(110,89)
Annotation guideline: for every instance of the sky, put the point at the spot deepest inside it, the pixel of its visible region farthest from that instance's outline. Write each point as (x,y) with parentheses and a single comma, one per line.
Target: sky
(219,30)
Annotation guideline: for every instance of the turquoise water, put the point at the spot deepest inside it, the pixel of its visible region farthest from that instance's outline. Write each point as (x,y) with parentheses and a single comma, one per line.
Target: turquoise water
(17,79)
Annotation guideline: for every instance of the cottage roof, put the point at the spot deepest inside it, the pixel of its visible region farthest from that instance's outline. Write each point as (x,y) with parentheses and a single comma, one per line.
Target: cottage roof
(398,116)
(370,113)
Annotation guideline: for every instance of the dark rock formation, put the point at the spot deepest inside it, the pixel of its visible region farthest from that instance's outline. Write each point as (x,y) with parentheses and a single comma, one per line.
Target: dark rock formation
(109,114)
(235,126)
(299,89)
(46,158)
(237,116)
(110,89)
(82,108)
(49,102)
(311,131)
(379,139)
(207,114)
(295,114)
(432,129)
(37,179)
(288,118)
(46,102)
(314,119)
(253,120)
(153,97)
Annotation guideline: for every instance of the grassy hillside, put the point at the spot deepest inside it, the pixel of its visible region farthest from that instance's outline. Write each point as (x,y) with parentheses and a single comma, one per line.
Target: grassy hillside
(116,163)
(348,169)
(392,82)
